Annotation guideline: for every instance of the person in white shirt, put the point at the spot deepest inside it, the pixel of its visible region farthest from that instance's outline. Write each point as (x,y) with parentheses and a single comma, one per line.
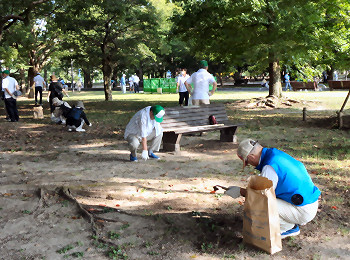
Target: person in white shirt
(145,126)
(136,81)
(131,83)
(201,80)
(39,85)
(181,88)
(9,86)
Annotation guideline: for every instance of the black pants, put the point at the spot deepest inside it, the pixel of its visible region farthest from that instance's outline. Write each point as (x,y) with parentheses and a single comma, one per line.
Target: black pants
(183,95)
(73,122)
(40,91)
(11,107)
(136,87)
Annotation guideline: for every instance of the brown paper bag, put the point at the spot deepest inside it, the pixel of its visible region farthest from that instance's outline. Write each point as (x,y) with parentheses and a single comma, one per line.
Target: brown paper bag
(261,224)
(38,112)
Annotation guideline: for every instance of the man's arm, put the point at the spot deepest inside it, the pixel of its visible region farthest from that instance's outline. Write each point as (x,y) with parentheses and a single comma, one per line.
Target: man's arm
(188,87)
(8,92)
(144,143)
(215,85)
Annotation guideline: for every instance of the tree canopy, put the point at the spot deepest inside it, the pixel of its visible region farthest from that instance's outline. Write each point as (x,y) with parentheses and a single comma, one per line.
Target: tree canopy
(149,37)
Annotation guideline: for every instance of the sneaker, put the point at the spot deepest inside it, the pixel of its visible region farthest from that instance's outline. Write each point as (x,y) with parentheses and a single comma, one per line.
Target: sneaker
(291,232)
(153,156)
(80,130)
(70,129)
(133,159)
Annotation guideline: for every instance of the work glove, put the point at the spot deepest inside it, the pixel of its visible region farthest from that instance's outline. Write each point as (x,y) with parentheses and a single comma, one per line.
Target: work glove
(233,191)
(144,155)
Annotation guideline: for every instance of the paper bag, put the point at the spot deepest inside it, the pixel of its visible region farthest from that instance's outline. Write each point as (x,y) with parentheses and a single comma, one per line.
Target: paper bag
(261,224)
(38,112)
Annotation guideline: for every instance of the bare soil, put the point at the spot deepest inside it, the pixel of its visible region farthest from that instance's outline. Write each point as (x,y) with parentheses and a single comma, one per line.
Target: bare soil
(69,195)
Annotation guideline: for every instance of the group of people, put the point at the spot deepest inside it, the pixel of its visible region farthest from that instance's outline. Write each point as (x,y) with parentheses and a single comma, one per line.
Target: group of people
(61,112)
(133,82)
(196,86)
(296,194)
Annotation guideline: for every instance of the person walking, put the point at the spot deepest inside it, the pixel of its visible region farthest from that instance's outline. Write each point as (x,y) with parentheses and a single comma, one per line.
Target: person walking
(181,88)
(145,126)
(296,194)
(287,81)
(201,80)
(136,81)
(9,86)
(39,85)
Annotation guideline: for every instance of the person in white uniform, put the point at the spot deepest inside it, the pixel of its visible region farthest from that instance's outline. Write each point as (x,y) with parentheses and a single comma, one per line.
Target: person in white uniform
(145,126)
(201,81)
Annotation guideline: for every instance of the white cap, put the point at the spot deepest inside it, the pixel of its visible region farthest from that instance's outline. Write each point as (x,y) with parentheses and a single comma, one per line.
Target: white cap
(245,148)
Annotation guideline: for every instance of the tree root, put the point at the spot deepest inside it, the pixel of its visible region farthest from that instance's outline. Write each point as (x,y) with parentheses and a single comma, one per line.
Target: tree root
(64,191)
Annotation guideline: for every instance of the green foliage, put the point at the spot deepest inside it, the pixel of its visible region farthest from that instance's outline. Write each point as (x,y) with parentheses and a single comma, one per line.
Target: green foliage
(113,235)
(116,253)
(65,249)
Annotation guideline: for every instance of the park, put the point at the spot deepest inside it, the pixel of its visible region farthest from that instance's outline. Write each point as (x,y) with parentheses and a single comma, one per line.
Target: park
(78,195)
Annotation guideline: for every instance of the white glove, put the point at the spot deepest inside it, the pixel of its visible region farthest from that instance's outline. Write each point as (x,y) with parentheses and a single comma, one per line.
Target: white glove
(233,191)
(144,155)
(90,124)
(48,99)
(67,95)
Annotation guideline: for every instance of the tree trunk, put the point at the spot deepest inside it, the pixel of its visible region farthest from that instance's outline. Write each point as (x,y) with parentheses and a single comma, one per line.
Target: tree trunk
(87,79)
(330,73)
(31,86)
(22,80)
(107,76)
(275,86)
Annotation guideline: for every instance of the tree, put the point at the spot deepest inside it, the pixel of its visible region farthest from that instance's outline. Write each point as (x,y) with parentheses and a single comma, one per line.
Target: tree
(250,32)
(16,10)
(110,28)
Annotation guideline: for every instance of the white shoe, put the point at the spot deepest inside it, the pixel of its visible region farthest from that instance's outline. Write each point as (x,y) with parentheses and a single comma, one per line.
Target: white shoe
(69,129)
(80,130)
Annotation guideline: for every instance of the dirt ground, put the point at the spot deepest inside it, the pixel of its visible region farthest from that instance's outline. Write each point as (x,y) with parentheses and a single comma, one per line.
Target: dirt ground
(75,195)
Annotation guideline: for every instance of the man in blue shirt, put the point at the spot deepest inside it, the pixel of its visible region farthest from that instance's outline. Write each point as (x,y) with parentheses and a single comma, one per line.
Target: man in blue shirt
(287,80)
(296,194)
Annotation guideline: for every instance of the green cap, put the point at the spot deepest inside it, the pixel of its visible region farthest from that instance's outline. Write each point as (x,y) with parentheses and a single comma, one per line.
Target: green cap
(158,112)
(6,72)
(203,63)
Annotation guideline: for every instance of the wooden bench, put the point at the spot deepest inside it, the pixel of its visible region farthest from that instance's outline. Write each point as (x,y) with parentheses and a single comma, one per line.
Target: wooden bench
(339,84)
(195,119)
(296,85)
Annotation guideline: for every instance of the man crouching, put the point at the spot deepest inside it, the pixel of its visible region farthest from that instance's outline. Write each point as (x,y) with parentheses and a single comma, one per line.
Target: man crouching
(144,126)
